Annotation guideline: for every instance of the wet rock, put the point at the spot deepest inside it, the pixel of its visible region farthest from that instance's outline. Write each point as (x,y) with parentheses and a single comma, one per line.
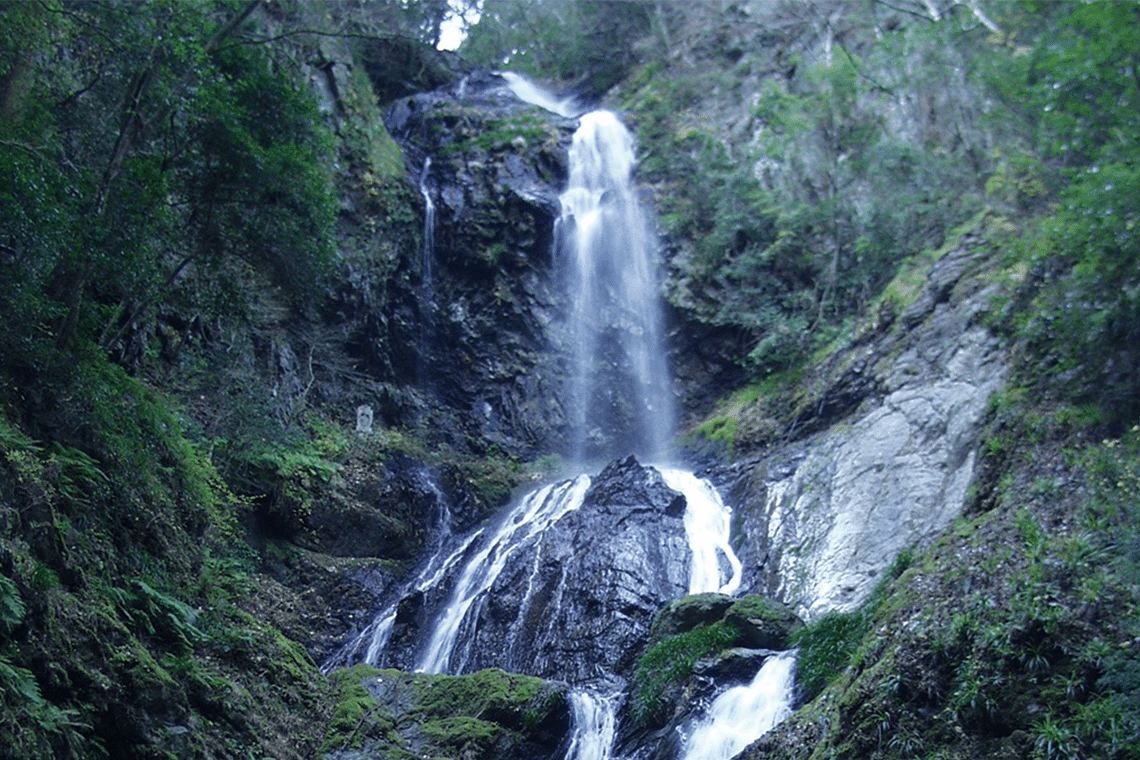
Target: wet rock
(690,612)
(581,603)
(484,340)
(763,623)
(732,666)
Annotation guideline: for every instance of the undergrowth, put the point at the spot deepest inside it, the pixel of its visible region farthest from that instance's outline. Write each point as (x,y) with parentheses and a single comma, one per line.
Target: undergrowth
(670,660)
(828,644)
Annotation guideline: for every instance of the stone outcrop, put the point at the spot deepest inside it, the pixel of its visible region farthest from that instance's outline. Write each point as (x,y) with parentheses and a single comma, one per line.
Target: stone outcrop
(899,419)
(579,603)
(485,297)
(390,713)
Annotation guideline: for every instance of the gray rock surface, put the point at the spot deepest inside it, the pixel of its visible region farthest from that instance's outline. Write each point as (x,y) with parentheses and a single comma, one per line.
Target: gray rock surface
(579,604)
(823,518)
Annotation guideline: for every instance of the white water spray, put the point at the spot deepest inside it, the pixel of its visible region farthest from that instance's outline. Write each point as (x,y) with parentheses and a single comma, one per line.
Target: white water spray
(743,714)
(609,250)
(594,721)
(528,92)
(427,265)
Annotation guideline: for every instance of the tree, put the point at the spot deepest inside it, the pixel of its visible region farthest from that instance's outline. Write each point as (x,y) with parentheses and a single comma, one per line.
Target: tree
(587,44)
(135,126)
(1084,81)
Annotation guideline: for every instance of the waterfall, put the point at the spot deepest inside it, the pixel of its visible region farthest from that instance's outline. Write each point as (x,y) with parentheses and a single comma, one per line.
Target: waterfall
(608,249)
(427,263)
(592,736)
(528,92)
(618,399)
(537,511)
(743,714)
(374,638)
(427,274)
(708,525)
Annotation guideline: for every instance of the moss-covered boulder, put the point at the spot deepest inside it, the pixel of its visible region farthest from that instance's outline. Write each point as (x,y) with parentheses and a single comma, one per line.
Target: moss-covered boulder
(763,623)
(690,612)
(488,714)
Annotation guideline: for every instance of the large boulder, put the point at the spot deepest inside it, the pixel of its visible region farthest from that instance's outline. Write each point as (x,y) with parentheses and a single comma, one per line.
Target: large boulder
(581,602)
(390,713)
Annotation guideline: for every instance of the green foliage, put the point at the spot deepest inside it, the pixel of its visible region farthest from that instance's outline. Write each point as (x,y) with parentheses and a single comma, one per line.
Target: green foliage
(27,718)
(671,660)
(587,43)
(830,643)
(179,169)
(1081,328)
(805,225)
(827,646)
(262,180)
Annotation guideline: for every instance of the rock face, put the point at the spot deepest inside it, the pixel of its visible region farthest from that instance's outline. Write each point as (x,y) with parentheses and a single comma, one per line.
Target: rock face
(491,166)
(581,602)
(576,602)
(824,517)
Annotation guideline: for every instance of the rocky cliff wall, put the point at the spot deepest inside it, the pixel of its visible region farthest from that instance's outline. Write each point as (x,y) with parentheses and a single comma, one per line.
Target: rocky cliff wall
(893,426)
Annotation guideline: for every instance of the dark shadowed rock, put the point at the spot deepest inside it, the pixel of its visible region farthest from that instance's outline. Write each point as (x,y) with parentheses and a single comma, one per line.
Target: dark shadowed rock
(732,666)
(580,602)
(763,623)
(691,611)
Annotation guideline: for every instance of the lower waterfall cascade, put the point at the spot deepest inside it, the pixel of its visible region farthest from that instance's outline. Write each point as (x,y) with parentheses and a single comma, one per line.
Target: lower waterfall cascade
(499,596)
(744,713)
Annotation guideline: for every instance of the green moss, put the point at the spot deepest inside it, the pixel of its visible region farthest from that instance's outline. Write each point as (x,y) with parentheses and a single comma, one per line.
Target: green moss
(463,734)
(293,659)
(353,703)
(365,135)
(438,715)
(495,136)
(720,430)
(671,660)
(475,694)
(756,606)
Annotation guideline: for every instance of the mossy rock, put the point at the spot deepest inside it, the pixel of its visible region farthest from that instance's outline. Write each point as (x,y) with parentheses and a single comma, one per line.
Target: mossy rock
(763,623)
(486,714)
(690,612)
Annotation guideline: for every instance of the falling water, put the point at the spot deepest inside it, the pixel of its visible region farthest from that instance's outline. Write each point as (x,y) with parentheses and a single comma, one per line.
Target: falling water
(619,400)
(427,275)
(608,248)
(535,513)
(445,556)
(708,525)
(743,714)
(528,92)
(427,263)
(593,727)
